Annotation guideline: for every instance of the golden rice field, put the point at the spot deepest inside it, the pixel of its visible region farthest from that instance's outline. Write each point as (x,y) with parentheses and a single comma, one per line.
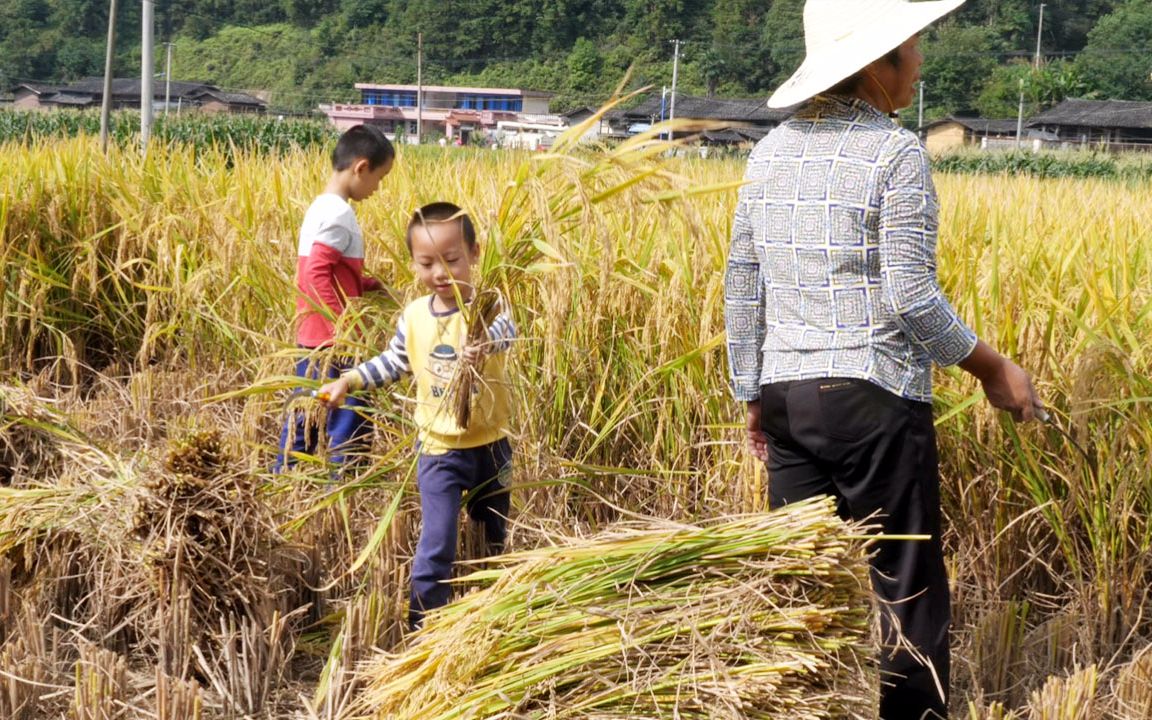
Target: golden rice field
(151,568)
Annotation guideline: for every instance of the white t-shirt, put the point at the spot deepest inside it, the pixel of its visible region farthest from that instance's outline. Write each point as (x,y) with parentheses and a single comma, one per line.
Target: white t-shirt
(331,221)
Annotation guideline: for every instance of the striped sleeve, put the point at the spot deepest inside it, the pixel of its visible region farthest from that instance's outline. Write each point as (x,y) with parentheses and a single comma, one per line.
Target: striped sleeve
(501,332)
(389,366)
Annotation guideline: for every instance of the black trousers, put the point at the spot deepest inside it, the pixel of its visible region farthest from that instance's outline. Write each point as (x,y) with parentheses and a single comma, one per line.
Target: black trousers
(875,452)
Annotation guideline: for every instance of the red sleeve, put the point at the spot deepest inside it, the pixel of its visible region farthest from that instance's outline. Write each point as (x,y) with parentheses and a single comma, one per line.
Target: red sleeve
(371,284)
(318,281)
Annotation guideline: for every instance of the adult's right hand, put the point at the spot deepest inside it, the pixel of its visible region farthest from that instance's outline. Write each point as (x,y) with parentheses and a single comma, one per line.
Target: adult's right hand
(1011,389)
(1005,383)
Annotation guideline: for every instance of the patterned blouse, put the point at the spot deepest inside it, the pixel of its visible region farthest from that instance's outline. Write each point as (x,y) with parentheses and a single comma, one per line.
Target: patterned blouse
(832,269)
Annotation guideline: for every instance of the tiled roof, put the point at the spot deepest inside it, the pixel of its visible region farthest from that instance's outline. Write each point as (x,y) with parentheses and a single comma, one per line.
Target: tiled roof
(65,98)
(1097,113)
(231,98)
(130,87)
(89,90)
(38,88)
(691,107)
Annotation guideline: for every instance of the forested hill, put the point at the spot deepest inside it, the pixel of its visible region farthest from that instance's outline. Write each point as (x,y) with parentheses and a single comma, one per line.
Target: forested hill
(310,51)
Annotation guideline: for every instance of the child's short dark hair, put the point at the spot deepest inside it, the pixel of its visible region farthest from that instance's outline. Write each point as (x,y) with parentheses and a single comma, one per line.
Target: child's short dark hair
(441,212)
(362,142)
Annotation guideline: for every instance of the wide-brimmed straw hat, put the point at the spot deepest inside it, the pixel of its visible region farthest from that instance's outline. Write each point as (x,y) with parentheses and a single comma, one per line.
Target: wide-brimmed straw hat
(842,37)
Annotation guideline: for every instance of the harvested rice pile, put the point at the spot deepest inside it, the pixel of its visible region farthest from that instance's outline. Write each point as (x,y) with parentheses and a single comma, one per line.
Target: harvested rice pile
(764,616)
(167,563)
(24,449)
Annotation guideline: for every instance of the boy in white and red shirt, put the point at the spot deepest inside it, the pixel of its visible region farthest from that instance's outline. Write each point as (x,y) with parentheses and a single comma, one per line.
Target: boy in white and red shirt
(330,271)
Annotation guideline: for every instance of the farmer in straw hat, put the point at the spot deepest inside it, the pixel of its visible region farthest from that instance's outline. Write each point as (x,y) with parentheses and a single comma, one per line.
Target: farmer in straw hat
(835,316)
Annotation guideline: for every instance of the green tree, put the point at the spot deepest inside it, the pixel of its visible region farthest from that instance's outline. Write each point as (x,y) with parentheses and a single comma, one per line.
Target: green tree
(653,24)
(1013,20)
(308,12)
(584,65)
(365,13)
(1067,24)
(1115,62)
(26,47)
(80,19)
(739,54)
(79,57)
(783,35)
(1043,88)
(958,62)
(559,23)
(713,70)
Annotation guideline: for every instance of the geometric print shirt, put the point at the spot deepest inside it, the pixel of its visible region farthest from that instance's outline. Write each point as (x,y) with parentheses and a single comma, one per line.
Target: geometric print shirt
(832,267)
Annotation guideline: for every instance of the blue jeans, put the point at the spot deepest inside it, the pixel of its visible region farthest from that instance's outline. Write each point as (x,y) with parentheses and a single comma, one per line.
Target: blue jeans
(348,429)
(483,473)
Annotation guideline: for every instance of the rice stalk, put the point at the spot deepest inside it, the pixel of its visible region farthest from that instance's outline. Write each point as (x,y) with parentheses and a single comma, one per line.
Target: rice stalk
(248,663)
(32,510)
(1132,687)
(552,198)
(27,660)
(995,711)
(101,684)
(364,630)
(1070,698)
(997,641)
(177,699)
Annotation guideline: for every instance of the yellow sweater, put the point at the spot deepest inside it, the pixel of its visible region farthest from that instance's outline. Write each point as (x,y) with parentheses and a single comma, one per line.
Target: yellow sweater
(429,346)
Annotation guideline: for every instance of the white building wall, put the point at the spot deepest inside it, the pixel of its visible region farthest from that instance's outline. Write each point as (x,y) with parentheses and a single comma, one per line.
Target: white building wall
(535,106)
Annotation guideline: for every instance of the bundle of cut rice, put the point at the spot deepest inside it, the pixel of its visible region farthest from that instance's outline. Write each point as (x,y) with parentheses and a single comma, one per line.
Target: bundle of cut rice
(764,616)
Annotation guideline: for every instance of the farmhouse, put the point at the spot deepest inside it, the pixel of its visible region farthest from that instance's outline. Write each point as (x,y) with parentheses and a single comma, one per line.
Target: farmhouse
(1113,124)
(454,111)
(955,132)
(126,94)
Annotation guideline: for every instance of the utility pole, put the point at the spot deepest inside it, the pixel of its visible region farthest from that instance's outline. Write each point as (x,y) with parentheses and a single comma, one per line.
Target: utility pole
(920,109)
(1020,116)
(675,72)
(419,87)
(106,101)
(1035,68)
(168,79)
(1039,30)
(147,68)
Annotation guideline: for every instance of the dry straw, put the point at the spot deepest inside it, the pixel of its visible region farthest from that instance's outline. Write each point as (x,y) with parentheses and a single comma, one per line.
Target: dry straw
(762,616)
(173,557)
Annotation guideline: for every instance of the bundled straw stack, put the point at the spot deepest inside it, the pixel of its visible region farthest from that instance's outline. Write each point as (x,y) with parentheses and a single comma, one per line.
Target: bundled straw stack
(764,616)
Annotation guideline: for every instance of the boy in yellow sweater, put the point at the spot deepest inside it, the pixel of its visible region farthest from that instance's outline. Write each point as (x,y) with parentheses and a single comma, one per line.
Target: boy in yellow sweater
(429,345)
